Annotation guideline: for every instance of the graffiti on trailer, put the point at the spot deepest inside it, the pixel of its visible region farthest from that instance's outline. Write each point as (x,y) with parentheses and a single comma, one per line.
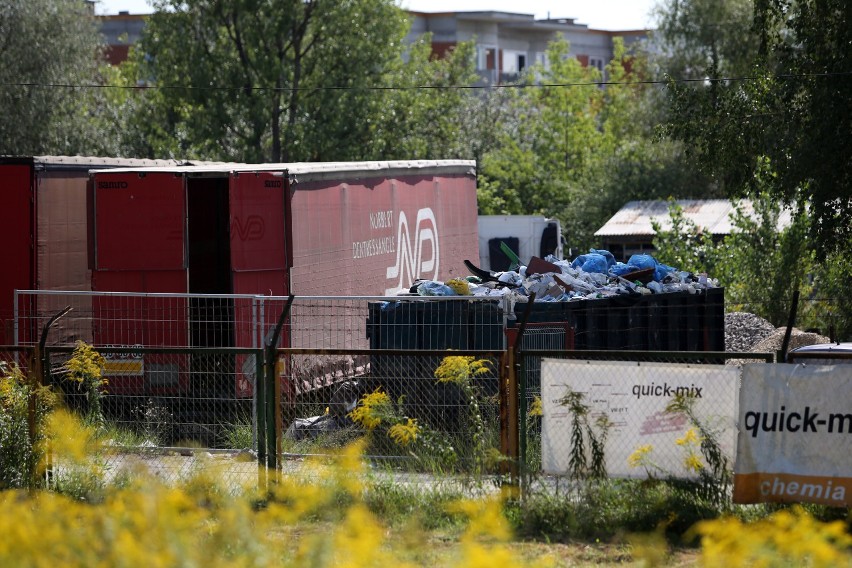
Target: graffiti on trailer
(250,229)
(410,262)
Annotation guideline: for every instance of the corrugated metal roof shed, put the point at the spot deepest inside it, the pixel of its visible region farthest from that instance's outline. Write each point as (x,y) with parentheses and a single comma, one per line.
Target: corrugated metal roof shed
(713,215)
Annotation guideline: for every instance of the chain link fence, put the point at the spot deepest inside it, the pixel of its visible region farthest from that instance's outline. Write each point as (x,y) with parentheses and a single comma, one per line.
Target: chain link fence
(413,421)
(13,355)
(169,412)
(185,370)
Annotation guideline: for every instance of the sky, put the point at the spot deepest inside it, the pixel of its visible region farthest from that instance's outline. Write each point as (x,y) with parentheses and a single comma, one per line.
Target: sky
(597,14)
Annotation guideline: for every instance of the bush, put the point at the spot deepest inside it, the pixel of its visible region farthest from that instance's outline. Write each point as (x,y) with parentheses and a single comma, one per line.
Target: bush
(23,409)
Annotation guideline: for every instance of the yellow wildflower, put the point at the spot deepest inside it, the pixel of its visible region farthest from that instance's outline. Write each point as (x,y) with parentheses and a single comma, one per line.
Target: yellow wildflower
(689,438)
(458,369)
(86,363)
(404,434)
(639,457)
(536,407)
(693,463)
(371,409)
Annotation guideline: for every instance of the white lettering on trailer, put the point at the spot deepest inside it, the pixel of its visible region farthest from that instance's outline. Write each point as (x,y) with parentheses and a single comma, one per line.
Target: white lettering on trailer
(410,261)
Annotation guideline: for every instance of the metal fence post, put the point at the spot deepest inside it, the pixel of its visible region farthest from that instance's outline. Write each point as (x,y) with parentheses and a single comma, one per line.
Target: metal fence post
(274,424)
(506,365)
(523,420)
(260,409)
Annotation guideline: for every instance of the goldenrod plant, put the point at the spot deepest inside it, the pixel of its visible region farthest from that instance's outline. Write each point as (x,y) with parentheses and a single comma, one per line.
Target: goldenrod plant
(714,472)
(789,537)
(23,409)
(85,368)
(327,512)
(317,516)
(463,371)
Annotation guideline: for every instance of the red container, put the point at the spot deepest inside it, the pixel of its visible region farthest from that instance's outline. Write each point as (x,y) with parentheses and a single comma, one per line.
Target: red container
(44,230)
(337,229)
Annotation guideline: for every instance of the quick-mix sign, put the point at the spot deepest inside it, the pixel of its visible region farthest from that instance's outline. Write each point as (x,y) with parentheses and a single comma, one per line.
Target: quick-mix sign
(795,435)
(411,246)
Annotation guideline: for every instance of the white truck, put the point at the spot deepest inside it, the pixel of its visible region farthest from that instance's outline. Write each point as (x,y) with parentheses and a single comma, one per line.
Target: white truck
(525,235)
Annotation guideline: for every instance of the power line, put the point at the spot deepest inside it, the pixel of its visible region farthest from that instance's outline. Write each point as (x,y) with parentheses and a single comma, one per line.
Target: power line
(431,87)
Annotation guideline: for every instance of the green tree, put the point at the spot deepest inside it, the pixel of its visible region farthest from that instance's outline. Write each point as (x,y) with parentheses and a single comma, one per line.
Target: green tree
(684,245)
(264,80)
(760,263)
(543,160)
(579,152)
(792,117)
(47,49)
(705,38)
(427,111)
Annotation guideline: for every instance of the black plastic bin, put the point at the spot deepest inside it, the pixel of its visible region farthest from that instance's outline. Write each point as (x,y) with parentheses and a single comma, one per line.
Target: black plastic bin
(659,322)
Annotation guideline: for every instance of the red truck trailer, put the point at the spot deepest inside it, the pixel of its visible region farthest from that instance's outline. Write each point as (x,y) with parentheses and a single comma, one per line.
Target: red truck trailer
(337,229)
(340,228)
(44,227)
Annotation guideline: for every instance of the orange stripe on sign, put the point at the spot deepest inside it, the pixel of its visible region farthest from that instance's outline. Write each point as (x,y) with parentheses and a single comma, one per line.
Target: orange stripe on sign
(792,488)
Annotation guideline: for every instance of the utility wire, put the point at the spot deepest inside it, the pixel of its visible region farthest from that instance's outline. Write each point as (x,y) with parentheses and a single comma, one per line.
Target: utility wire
(430,87)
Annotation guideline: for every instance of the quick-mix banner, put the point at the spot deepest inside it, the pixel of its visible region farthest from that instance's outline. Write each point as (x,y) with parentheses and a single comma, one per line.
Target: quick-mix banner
(643,438)
(795,427)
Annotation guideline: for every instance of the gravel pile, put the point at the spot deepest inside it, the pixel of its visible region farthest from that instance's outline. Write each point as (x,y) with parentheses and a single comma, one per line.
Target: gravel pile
(798,338)
(744,330)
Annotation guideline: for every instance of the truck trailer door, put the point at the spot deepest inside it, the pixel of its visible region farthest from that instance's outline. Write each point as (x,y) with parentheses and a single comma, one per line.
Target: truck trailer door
(258,261)
(140,246)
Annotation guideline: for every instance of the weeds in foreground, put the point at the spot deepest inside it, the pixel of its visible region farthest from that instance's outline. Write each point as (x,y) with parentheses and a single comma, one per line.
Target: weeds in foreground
(391,432)
(24,407)
(789,537)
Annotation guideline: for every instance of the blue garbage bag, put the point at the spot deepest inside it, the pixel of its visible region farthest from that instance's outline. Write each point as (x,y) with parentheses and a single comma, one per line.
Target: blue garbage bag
(640,261)
(620,269)
(610,258)
(661,271)
(591,262)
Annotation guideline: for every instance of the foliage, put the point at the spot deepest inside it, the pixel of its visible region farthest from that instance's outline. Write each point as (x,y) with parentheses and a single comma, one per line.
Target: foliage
(787,537)
(425,112)
(85,369)
(577,151)
(685,245)
(712,471)
(716,479)
(764,265)
(23,410)
(255,81)
(584,463)
(48,47)
(702,38)
(319,516)
(544,158)
(830,309)
(758,264)
(462,372)
(789,118)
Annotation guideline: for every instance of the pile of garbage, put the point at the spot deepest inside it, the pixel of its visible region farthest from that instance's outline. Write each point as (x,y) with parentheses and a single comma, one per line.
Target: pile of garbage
(593,275)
